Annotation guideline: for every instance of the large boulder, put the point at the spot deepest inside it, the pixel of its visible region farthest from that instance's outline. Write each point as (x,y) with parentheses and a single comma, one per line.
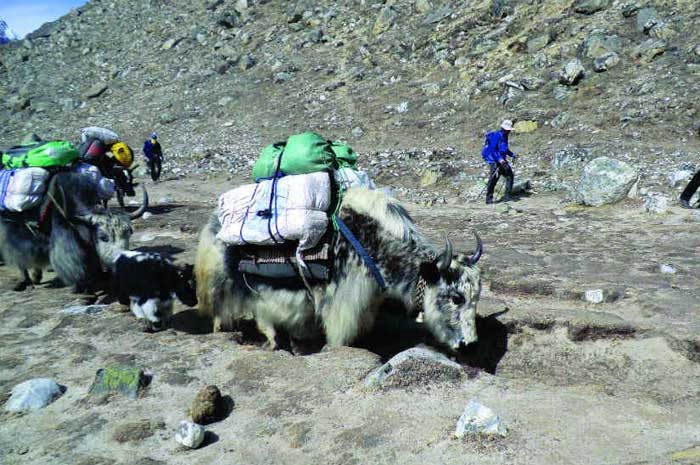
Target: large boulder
(605,181)
(414,367)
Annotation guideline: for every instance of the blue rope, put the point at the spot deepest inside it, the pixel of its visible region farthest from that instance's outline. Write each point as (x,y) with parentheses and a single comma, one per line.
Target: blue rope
(362,252)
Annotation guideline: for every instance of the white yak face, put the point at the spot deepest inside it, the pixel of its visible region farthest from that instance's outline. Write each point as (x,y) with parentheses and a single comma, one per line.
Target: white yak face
(450,304)
(112,233)
(154,310)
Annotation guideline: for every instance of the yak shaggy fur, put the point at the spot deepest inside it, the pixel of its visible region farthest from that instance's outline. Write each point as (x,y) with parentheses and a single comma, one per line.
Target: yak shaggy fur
(347,305)
(78,244)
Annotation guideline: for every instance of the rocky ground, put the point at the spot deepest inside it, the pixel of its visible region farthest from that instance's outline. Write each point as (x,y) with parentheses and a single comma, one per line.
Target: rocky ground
(588,320)
(614,382)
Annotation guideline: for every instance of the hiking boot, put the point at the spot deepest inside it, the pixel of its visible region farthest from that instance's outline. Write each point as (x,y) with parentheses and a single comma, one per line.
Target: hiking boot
(507,198)
(489,201)
(685,204)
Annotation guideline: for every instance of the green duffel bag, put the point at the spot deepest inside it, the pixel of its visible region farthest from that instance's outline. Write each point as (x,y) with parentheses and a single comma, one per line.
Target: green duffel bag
(303,153)
(40,154)
(345,156)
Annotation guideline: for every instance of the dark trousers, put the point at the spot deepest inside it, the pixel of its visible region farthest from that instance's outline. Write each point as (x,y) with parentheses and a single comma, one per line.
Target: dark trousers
(692,187)
(498,170)
(155,165)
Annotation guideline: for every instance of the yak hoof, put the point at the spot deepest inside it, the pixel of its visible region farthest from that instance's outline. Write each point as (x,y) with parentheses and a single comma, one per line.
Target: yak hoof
(270,345)
(23,286)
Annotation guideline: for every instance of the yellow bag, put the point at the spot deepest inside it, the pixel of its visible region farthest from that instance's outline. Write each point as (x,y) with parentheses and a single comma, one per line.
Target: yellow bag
(123,154)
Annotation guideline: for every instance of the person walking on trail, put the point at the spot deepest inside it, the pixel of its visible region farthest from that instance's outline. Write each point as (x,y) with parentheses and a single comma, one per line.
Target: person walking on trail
(495,153)
(690,190)
(154,156)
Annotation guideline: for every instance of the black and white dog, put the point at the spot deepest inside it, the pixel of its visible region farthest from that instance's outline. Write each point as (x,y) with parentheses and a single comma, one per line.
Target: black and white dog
(147,281)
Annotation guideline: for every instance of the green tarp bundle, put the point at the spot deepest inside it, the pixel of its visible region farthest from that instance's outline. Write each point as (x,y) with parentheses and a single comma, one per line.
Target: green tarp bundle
(40,154)
(303,153)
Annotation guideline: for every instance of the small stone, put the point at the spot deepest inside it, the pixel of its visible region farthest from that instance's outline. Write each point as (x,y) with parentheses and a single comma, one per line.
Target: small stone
(572,73)
(599,43)
(560,120)
(167,117)
(281,77)
(431,88)
(96,90)
(402,107)
(479,419)
(168,44)
(656,204)
(208,406)
(423,6)
(649,50)
(594,296)
(190,434)
(646,18)
(224,101)
(246,62)
(525,127)
(538,43)
(386,18)
(589,7)
(357,132)
(146,215)
(430,178)
(606,61)
(33,395)
(128,381)
(667,269)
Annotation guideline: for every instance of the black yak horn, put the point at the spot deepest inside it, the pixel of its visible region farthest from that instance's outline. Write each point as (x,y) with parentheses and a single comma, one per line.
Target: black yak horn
(477,253)
(445,259)
(144,205)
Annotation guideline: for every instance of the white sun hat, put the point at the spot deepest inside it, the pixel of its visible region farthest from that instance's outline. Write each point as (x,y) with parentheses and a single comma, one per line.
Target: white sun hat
(507,125)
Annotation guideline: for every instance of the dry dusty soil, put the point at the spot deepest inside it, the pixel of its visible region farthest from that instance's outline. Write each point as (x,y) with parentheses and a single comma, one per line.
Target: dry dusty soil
(576,383)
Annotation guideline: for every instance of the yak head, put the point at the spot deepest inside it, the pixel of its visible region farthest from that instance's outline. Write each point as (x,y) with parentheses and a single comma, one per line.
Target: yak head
(452,286)
(105,231)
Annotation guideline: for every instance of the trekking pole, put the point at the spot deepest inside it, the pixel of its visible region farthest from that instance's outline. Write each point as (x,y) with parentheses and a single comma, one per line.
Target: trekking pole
(495,173)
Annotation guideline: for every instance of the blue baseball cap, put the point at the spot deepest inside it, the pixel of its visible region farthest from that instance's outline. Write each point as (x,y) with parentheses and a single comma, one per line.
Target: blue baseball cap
(154,136)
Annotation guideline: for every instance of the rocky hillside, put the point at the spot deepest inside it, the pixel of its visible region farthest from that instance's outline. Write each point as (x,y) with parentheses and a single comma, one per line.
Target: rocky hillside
(412,84)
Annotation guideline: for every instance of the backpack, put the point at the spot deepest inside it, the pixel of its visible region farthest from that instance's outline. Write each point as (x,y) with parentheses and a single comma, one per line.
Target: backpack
(92,151)
(304,153)
(40,154)
(490,146)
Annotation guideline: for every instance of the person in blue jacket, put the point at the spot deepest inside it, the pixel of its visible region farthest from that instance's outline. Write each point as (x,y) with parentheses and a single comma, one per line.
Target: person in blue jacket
(154,156)
(495,153)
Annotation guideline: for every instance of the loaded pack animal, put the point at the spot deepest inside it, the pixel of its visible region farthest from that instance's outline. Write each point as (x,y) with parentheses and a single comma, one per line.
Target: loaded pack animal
(147,282)
(68,232)
(443,286)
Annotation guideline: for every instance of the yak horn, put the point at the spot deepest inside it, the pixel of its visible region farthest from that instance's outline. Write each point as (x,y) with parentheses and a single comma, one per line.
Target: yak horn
(445,259)
(477,253)
(144,205)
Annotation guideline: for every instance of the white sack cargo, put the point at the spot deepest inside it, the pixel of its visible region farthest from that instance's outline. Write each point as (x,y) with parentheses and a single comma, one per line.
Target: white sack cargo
(22,189)
(348,177)
(93,132)
(105,186)
(298,211)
